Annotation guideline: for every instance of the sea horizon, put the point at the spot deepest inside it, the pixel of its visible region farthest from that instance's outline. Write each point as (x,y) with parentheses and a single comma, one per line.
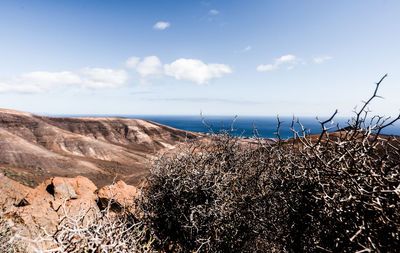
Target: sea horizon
(243,126)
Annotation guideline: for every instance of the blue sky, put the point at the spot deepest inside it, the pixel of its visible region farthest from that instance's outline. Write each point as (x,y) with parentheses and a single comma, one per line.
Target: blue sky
(304,58)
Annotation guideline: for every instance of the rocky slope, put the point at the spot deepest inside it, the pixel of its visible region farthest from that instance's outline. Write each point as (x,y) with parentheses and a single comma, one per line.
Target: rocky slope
(34,148)
(32,210)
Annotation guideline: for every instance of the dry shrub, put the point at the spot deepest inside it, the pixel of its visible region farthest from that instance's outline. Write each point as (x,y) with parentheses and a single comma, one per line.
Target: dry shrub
(93,230)
(202,200)
(338,191)
(104,231)
(8,244)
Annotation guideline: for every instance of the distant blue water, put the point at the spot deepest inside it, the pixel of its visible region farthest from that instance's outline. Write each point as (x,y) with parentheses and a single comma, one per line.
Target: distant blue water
(243,126)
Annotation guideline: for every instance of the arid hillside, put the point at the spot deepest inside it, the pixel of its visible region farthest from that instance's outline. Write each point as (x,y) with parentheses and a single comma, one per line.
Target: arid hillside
(34,148)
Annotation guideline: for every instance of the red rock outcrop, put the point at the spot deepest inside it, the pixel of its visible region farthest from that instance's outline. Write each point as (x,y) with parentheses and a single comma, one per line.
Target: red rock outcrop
(11,193)
(120,193)
(43,206)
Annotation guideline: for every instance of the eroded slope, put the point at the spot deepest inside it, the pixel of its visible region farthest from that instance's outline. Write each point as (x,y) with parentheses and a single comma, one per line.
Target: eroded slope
(34,148)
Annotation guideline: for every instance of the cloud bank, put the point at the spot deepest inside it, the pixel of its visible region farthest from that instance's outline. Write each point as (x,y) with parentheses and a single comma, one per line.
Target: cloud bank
(98,78)
(42,81)
(192,70)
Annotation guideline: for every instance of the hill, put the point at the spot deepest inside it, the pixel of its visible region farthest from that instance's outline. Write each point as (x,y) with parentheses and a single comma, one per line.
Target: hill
(34,148)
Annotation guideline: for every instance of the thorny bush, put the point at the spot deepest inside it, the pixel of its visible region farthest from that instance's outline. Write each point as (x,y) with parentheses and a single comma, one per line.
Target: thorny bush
(336,191)
(7,241)
(92,230)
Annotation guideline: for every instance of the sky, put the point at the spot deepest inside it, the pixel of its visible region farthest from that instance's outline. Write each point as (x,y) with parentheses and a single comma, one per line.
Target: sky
(264,58)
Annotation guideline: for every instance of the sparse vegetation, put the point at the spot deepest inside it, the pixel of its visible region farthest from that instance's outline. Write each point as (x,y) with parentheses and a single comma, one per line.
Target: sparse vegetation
(18,176)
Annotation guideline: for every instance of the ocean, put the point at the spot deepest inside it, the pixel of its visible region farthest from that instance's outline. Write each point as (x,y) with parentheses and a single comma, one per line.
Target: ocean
(244,125)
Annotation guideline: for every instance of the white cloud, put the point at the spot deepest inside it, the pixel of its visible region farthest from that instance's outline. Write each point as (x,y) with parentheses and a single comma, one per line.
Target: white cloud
(246,49)
(161,25)
(39,81)
(322,59)
(195,70)
(213,12)
(285,59)
(132,62)
(103,78)
(49,78)
(268,67)
(150,65)
(42,81)
(181,69)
